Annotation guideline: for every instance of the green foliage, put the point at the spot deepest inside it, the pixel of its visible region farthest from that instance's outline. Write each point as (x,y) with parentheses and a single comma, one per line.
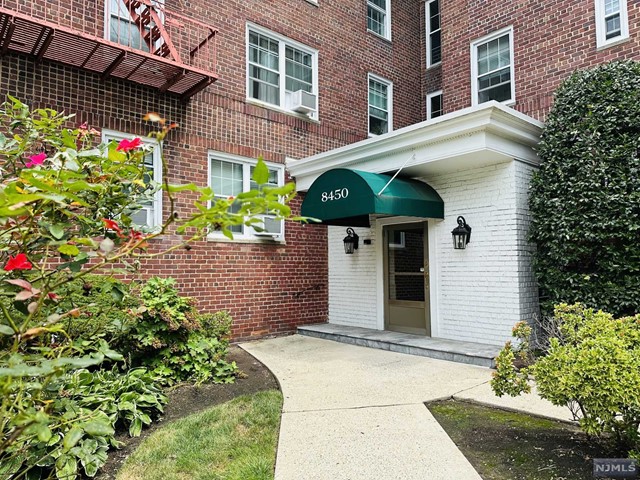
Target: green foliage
(129,399)
(65,213)
(89,407)
(585,199)
(507,380)
(104,307)
(592,366)
(175,341)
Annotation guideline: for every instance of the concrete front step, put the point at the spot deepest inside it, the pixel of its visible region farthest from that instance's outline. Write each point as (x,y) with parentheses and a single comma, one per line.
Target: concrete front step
(440,348)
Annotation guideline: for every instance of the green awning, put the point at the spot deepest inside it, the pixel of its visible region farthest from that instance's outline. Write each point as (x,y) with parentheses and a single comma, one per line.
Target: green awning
(347,197)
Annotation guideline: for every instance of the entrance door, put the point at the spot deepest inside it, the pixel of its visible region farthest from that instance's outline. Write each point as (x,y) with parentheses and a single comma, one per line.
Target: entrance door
(406,272)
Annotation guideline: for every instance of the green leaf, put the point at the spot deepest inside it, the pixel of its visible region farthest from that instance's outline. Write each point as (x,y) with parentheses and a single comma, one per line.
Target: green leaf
(10,465)
(71,438)
(66,467)
(191,187)
(98,428)
(69,250)
(89,242)
(260,173)
(43,432)
(117,293)
(57,231)
(6,330)
(91,466)
(135,428)
(94,152)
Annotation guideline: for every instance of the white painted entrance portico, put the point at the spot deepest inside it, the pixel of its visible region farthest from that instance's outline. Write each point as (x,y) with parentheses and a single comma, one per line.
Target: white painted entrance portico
(479,161)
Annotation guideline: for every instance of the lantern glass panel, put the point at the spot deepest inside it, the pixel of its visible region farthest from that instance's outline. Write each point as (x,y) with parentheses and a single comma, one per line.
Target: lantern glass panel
(348,246)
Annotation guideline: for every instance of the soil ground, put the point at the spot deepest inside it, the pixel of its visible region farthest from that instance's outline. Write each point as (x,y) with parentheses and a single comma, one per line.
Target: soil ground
(504,445)
(188,399)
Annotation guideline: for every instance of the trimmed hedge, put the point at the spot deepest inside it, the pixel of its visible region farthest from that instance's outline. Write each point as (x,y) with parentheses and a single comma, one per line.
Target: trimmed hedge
(585,199)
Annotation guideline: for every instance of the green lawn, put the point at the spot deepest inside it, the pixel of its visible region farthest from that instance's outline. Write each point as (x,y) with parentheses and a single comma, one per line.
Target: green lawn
(235,440)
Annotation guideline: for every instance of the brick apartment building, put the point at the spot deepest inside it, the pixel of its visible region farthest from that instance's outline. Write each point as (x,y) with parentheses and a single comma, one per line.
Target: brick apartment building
(450,93)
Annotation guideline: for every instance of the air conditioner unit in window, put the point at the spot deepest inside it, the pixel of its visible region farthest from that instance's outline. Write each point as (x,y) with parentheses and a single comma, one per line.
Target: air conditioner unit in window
(271,227)
(303,102)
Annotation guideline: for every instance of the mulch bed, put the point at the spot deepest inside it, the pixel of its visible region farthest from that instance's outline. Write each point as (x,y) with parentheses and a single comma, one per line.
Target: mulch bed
(187,399)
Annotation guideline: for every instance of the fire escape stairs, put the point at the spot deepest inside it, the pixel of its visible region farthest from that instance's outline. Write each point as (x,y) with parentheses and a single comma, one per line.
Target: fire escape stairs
(161,66)
(143,13)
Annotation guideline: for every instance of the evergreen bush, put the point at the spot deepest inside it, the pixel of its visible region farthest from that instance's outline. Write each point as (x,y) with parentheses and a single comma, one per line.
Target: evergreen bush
(585,199)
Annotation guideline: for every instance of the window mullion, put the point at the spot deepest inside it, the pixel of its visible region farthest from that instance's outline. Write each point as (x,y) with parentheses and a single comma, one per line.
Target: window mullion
(282,78)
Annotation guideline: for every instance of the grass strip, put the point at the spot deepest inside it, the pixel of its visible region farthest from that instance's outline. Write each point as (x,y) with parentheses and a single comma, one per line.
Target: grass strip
(234,440)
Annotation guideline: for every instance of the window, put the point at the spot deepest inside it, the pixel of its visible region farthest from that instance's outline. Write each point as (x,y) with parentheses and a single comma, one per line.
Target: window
(379,17)
(612,23)
(380,105)
(278,67)
(492,75)
(434,104)
(150,215)
(122,29)
(230,175)
(434,44)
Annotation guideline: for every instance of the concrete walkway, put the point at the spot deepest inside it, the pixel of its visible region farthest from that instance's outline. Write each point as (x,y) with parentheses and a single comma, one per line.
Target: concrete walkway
(358,413)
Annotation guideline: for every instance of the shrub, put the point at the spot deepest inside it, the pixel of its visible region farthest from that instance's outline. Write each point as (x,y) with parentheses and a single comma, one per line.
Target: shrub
(104,305)
(592,366)
(585,199)
(65,212)
(175,341)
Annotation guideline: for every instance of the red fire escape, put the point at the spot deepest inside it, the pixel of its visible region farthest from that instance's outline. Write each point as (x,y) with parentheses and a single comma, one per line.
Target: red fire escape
(137,40)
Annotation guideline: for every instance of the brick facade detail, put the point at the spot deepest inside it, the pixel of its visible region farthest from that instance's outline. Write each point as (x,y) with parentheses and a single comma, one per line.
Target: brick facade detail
(551,40)
(268,288)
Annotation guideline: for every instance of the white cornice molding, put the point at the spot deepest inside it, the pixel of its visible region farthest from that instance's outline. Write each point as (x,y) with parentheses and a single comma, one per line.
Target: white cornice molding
(489,127)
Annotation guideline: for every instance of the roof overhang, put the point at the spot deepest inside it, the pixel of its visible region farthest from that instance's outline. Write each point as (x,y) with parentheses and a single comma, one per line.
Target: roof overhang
(486,134)
(347,197)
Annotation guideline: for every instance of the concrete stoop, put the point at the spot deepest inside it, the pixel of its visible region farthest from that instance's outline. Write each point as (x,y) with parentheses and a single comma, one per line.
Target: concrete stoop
(439,348)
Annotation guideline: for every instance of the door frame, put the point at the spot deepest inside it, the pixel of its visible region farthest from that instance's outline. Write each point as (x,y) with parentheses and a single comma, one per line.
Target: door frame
(425,309)
(433,268)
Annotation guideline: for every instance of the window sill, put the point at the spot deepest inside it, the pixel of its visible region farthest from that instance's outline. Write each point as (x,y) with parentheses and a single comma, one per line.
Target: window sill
(247,240)
(313,2)
(434,65)
(275,108)
(506,103)
(381,37)
(611,43)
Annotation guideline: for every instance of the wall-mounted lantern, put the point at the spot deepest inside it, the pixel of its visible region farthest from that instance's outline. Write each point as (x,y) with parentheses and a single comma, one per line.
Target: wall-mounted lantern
(461,234)
(350,241)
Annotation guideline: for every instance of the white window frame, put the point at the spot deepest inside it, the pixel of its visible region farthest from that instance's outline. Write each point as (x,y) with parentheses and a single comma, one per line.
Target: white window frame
(107,23)
(601,26)
(248,233)
(283,42)
(389,85)
(474,64)
(387,19)
(429,97)
(430,62)
(156,214)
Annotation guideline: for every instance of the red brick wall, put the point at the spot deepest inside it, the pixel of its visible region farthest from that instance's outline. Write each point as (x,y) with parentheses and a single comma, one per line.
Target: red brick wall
(267,288)
(551,40)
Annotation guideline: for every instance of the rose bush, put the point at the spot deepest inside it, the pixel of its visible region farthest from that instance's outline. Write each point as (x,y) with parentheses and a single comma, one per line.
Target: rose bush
(66,205)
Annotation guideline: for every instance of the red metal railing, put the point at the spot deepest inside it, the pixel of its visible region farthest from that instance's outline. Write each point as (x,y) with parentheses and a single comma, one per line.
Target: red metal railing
(138,40)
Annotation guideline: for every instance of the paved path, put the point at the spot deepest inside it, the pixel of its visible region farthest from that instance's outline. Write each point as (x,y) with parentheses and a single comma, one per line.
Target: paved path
(355,413)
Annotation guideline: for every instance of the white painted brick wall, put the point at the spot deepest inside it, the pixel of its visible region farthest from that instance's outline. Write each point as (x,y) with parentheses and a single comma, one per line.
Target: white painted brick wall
(352,280)
(485,289)
(529,306)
